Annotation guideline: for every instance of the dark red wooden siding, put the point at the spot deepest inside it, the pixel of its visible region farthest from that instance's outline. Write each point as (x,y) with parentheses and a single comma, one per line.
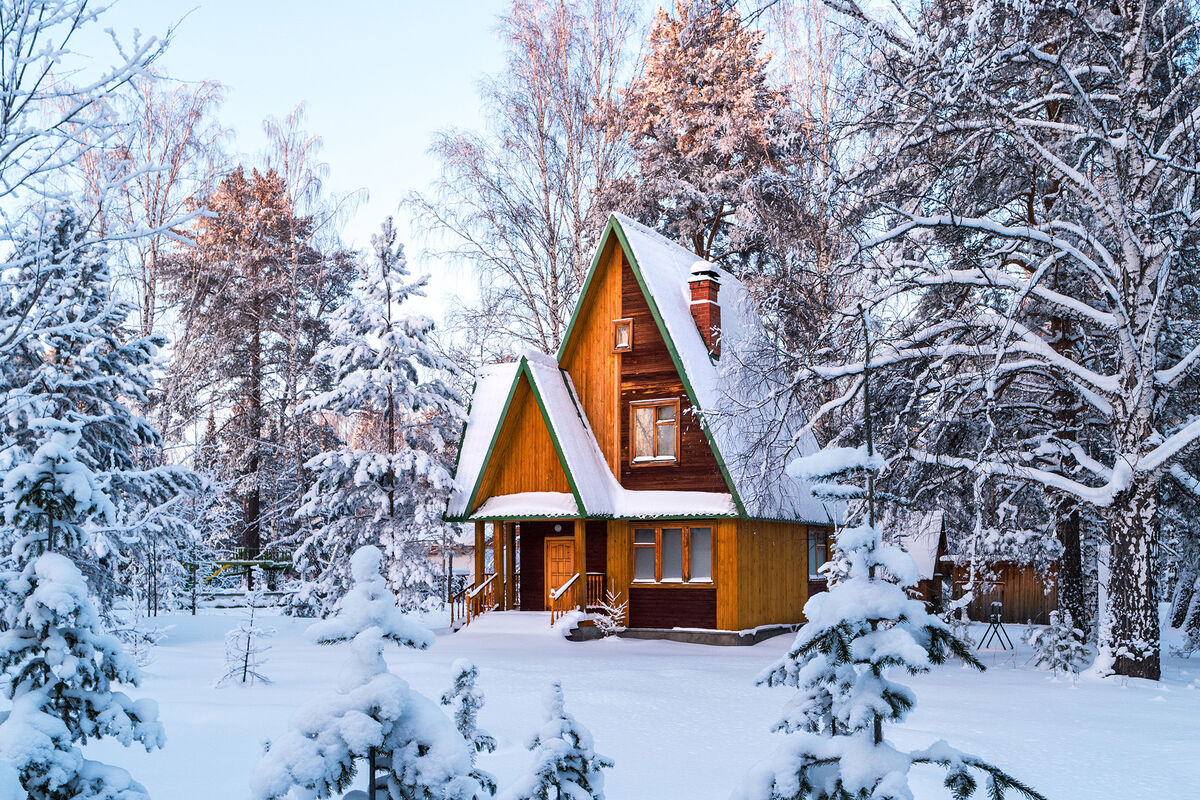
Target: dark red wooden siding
(676,607)
(647,373)
(596,551)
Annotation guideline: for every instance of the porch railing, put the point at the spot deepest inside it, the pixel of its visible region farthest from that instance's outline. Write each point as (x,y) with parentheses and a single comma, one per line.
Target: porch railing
(564,598)
(473,601)
(595,589)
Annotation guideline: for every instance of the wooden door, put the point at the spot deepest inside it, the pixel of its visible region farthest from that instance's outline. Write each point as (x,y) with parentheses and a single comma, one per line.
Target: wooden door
(560,562)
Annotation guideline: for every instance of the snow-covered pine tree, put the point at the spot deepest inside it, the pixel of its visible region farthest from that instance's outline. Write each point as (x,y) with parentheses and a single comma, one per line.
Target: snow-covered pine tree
(246,645)
(613,613)
(707,131)
(387,484)
(373,717)
(70,477)
(59,669)
(464,701)
(862,628)
(1059,646)
(565,761)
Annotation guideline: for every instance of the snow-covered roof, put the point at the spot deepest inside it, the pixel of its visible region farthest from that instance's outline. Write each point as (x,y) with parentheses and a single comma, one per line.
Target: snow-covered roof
(918,534)
(751,432)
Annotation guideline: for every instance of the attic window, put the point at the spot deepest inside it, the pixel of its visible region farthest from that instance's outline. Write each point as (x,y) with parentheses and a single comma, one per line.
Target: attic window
(654,432)
(622,335)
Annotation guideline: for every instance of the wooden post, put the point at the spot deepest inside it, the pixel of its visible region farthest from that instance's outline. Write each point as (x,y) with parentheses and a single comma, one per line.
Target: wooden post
(498,562)
(581,563)
(480,544)
(510,565)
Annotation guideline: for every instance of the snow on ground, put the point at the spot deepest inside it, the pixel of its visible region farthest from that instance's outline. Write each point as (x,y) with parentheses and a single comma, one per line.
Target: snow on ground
(681,721)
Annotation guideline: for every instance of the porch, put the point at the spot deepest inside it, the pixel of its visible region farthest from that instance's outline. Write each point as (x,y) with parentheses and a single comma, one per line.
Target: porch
(555,565)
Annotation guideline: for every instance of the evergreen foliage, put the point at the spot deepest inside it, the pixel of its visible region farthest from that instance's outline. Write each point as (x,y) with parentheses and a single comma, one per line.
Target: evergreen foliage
(59,673)
(373,716)
(386,484)
(1059,647)
(245,645)
(565,762)
(464,702)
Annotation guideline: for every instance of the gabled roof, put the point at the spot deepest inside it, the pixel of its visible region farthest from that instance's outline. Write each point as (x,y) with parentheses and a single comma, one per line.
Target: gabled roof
(595,492)
(751,431)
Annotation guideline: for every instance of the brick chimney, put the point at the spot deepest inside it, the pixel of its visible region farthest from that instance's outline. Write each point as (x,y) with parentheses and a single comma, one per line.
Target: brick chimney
(706,309)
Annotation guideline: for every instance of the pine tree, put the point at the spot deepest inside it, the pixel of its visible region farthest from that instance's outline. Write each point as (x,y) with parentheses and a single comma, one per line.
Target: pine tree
(707,132)
(71,477)
(464,701)
(374,716)
(565,762)
(1059,646)
(245,645)
(386,485)
(59,669)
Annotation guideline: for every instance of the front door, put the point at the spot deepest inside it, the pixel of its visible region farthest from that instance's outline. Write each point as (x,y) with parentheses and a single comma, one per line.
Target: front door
(560,562)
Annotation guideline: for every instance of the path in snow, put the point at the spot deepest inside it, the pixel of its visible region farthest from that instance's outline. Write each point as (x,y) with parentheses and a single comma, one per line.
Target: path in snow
(681,721)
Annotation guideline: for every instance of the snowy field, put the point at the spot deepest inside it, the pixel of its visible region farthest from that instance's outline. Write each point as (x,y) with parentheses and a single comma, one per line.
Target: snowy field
(681,721)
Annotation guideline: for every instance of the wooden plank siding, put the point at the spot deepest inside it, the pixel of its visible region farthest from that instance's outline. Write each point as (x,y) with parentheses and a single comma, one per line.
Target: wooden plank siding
(648,373)
(588,357)
(524,458)
(772,573)
(1026,595)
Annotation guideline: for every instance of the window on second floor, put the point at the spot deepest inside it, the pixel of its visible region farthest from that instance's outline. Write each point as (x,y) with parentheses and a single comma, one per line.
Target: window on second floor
(622,335)
(654,432)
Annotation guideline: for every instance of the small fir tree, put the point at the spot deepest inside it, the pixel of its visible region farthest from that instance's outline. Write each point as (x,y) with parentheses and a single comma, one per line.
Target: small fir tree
(612,615)
(245,645)
(1059,646)
(565,762)
(464,701)
(388,484)
(411,749)
(59,669)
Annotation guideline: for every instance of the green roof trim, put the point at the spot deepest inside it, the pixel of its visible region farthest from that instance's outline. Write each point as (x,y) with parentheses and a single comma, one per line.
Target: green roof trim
(522,369)
(615,226)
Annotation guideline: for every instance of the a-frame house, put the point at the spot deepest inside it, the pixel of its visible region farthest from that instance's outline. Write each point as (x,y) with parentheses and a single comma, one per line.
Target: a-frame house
(644,457)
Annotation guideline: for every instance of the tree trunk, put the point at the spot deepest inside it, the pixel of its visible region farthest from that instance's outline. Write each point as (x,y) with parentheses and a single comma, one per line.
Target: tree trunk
(1133,632)
(1071,596)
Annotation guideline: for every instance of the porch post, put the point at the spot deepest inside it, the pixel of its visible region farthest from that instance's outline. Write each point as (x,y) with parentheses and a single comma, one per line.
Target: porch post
(479,546)
(581,563)
(498,561)
(510,565)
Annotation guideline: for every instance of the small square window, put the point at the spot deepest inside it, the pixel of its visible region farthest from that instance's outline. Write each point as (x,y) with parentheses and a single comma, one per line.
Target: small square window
(622,335)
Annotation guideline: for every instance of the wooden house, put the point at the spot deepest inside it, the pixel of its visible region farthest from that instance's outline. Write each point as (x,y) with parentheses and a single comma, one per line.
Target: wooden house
(638,459)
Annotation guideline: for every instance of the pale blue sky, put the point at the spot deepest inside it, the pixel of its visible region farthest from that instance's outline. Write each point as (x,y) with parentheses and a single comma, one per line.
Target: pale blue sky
(379,78)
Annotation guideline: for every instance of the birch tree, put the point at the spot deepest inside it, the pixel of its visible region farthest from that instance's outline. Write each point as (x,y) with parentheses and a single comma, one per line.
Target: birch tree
(1028,187)
(516,202)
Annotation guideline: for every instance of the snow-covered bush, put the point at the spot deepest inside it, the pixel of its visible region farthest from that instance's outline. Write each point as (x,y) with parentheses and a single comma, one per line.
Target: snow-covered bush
(464,702)
(1059,646)
(613,613)
(565,761)
(245,645)
(373,716)
(59,670)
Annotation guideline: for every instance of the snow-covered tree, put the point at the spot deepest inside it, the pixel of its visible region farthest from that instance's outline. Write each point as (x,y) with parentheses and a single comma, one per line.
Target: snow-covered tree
(246,645)
(1059,646)
(411,749)
(613,614)
(59,672)
(1028,199)
(565,761)
(387,484)
(708,133)
(71,471)
(859,631)
(464,702)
